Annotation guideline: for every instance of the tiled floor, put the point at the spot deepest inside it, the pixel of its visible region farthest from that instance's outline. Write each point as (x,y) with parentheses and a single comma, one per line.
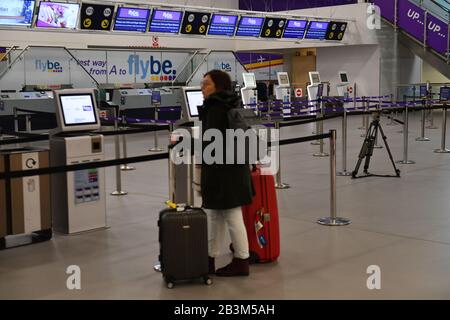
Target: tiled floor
(401,225)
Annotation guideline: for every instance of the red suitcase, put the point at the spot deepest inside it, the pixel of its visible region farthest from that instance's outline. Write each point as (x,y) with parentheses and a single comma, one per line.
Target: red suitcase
(261,220)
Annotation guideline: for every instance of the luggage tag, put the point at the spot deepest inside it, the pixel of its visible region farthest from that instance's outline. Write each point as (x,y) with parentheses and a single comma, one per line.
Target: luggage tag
(262,241)
(258,226)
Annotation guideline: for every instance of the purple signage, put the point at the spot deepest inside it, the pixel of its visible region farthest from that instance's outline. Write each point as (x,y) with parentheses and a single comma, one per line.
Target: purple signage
(222,25)
(437,34)
(165,21)
(220,19)
(295,29)
(283,5)
(131,19)
(411,18)
(387,9)
(167,15)
(249,27)
(133,13)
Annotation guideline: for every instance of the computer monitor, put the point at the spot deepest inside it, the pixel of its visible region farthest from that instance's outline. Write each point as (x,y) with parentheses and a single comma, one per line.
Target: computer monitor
(314,77)
(76,110)
(249,80)
(192,100)
(283,79)
(343,76)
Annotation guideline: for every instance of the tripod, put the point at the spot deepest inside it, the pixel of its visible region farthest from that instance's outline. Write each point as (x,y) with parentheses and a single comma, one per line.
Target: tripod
(367,149)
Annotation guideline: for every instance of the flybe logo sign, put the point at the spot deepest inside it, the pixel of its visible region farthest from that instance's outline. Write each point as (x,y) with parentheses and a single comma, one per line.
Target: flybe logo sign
(48,66)
(151,68)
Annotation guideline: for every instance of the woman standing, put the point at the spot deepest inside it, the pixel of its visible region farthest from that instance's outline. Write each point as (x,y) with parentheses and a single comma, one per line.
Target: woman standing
(225,187)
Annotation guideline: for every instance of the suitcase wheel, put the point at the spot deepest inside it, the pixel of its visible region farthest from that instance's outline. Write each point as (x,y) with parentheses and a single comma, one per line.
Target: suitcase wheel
(207,280)
(170,285)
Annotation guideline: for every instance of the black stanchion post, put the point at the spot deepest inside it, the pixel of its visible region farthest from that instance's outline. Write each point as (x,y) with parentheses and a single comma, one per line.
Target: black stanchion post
(333,220)
(278,183)
(443,149)
(344,171)
(422,123)
(405,135)
(392,123)
(321,153)
(125,167)
(430,103)
(118,191)
(16,120)
(363,126)
(156,147)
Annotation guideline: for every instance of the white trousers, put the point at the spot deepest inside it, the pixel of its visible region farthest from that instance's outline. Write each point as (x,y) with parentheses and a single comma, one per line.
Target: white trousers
(219,220)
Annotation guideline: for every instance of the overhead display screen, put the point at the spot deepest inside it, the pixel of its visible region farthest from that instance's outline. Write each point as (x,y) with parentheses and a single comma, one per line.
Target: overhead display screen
(131,19)
(295,29)
(57,15)
(317,30)
(166,21)
(96,16)
(17,12)
(336,30)
(273,28)
(249,26)
(444,93)
(195,22)
(222,25)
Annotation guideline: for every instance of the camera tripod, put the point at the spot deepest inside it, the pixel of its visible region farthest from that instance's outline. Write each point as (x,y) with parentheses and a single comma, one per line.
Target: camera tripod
(367,150)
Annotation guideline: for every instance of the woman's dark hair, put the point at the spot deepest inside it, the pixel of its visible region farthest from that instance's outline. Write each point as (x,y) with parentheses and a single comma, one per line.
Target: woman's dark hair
(221,80)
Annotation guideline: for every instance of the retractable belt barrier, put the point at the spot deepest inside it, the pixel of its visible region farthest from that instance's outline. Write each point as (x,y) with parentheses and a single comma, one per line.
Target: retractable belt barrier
(332,220)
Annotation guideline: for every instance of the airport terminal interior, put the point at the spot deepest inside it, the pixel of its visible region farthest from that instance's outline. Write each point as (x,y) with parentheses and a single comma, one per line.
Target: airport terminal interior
(353,95)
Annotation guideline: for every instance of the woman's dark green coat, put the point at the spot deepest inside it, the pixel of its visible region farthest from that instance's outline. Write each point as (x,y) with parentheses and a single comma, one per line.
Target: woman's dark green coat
(223,186)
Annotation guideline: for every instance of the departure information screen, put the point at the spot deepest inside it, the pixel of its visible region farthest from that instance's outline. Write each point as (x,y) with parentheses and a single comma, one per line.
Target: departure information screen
(444,94)
(222,25)
(16,12)
(96,16)
(165,21)
(317,30)
(273,28)
(249,26)
(195,22)
(336,30)
(131,19)
(295,29)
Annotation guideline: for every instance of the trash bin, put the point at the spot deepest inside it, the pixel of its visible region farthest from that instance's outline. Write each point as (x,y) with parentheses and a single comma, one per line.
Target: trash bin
(25,206)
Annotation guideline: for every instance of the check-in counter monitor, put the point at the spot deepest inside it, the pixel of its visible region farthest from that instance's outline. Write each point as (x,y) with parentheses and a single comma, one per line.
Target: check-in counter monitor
(192,101)
(249,93)
(78,197)
(76,110)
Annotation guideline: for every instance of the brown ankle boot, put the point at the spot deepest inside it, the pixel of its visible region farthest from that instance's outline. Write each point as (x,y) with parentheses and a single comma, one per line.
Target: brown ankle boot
(211,265)
(237,267)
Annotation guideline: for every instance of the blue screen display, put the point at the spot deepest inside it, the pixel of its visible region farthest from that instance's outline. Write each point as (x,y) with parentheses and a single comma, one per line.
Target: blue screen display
(131,19)
(222,25)
(249,27)
(165,21)
(295,29)
(445,94)
(317,30)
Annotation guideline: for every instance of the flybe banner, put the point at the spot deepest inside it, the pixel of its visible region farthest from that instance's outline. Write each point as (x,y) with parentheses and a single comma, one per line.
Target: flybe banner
(131,67)
(46,66)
